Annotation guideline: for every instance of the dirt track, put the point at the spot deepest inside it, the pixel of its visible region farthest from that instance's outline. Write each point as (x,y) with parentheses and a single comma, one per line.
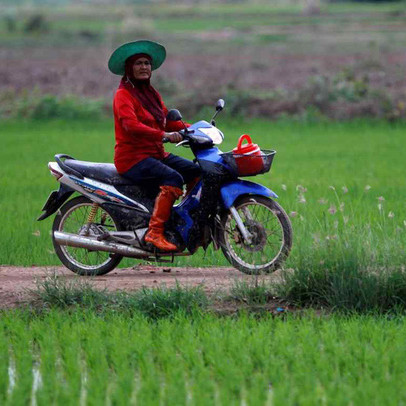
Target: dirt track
(15,282)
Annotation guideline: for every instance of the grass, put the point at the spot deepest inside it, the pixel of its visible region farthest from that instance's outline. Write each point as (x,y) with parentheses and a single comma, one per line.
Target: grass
(61,358)
(341,183)
(342,195)
(55,292)
(254,292)
(353,224)
(347,289)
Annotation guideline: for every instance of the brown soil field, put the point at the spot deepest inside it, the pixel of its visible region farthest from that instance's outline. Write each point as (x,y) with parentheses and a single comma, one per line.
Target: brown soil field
(17,283)
(73,71)
(294,78)
(345,63)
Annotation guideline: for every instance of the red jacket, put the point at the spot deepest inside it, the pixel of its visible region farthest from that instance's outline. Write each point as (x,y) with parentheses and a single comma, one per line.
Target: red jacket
(138,134)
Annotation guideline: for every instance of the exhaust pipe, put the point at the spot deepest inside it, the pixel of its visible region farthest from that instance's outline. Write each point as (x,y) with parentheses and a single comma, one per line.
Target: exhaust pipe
(74,240)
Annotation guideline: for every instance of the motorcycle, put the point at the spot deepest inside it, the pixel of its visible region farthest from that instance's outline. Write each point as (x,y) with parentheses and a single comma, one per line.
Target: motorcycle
(92,232)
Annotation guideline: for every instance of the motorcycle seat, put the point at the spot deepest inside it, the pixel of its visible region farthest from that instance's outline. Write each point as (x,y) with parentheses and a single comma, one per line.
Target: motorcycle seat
(106,173)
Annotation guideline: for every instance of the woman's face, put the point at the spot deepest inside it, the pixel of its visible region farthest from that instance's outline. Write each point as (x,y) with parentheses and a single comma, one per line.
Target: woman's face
(142,68)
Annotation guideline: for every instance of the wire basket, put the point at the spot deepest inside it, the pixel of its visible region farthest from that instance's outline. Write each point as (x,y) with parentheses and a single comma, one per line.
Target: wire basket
(250,164)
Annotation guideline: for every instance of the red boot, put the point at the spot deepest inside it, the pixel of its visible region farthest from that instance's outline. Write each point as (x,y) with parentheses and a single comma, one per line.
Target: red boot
(160,215)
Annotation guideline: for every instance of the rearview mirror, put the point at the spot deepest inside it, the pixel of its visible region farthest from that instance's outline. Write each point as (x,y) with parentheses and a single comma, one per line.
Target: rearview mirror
(174,115)
(220,104)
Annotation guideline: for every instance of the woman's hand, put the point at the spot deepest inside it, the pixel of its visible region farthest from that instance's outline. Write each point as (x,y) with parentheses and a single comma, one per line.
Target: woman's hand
(173,137)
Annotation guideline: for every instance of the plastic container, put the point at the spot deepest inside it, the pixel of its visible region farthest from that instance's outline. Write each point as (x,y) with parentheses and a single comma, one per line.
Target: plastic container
(248,157)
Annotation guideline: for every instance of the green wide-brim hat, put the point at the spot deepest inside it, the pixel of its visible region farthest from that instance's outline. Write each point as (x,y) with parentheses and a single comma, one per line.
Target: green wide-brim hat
(117,59)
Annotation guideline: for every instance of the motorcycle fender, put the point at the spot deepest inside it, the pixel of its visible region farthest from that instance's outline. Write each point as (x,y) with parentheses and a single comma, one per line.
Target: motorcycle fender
(55,200)
(232,190)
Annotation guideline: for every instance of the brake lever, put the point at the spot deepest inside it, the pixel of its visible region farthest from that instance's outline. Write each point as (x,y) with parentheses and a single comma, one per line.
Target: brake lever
(181,143)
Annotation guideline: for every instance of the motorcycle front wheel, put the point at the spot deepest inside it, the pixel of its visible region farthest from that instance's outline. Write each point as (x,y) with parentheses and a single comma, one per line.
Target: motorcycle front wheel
(73,218)
(271,235)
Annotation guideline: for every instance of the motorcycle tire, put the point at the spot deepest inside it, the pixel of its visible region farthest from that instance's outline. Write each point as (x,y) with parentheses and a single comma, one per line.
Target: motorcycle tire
(261,256)
(80,260)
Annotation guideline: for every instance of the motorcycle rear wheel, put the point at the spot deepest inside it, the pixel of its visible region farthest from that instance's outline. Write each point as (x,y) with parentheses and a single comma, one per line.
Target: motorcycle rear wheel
(72,218)
(271,231)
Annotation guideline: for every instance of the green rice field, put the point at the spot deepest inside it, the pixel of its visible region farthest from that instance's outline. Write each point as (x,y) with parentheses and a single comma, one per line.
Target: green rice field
(121,359)
(341,183)
(331,330)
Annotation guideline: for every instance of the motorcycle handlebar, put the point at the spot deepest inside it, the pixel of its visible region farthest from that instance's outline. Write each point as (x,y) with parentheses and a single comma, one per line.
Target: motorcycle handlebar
(166,140)
(184,133)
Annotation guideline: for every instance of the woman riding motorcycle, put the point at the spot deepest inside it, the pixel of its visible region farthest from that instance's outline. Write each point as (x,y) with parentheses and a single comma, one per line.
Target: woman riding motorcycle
(140,127)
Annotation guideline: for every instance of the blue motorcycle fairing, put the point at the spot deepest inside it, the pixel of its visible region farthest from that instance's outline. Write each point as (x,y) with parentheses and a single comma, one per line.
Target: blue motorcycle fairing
(232,190)
(212,155)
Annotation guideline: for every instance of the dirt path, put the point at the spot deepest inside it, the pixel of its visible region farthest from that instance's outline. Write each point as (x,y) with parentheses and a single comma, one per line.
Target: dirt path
(15,282)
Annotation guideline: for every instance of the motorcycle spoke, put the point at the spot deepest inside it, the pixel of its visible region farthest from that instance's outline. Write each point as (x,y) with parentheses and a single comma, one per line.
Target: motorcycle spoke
(266,231)
(247,213)
(75,221)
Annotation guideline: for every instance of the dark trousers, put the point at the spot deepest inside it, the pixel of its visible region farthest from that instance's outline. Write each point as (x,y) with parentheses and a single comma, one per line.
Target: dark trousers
(172,171)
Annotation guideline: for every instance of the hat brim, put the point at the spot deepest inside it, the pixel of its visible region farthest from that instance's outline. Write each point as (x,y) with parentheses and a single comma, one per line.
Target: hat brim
(117,60)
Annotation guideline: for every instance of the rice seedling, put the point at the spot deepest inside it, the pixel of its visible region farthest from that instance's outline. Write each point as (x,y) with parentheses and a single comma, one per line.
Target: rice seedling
(346,207)
(127,359)
(354,225)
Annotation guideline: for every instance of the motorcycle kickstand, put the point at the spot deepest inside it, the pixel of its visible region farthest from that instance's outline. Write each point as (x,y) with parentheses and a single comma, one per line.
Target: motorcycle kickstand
(159,258)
